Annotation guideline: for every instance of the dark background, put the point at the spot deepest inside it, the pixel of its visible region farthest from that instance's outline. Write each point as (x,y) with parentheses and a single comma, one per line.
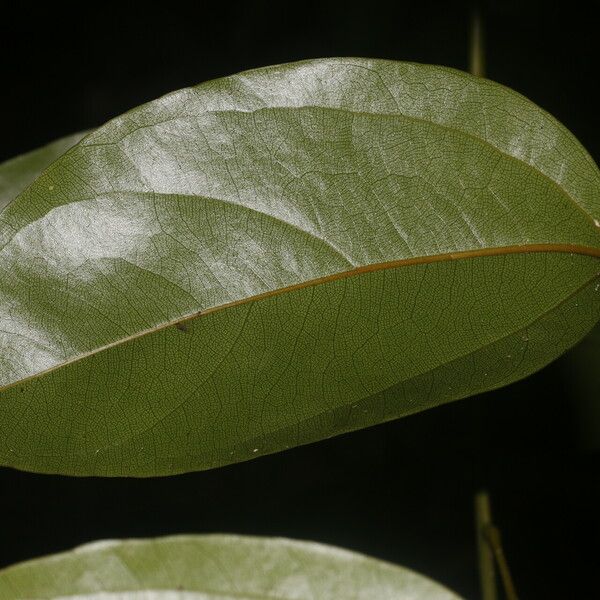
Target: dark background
(402,491)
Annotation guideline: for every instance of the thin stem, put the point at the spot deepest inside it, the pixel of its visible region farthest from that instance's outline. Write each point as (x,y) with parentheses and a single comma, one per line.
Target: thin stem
(487,572)
(477,48)
(492,536)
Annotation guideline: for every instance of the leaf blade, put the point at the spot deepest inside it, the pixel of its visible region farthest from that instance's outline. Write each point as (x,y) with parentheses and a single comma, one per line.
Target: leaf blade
(209,207)
(210,567)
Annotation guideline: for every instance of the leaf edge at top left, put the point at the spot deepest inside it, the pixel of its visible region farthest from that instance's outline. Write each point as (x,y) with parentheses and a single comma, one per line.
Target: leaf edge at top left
(18,173)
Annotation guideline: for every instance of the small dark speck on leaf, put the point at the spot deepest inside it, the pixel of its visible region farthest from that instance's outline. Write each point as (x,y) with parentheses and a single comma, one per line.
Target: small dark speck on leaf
(181,327)
(22,389)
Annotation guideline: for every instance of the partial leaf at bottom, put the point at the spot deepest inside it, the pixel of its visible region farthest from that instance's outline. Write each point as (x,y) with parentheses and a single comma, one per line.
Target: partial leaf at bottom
(214,567)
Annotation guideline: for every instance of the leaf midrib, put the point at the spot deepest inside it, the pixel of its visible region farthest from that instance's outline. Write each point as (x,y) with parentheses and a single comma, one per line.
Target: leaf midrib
(405,262)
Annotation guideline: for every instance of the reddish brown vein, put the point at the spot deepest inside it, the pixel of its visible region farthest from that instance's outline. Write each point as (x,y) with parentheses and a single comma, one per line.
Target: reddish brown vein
(404,262)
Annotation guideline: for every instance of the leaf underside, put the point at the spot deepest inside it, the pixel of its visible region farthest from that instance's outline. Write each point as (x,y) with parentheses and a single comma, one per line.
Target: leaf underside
(214,567)
(284,255)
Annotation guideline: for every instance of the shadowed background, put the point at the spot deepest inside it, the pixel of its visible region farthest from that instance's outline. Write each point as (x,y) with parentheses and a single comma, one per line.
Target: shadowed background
(402,491)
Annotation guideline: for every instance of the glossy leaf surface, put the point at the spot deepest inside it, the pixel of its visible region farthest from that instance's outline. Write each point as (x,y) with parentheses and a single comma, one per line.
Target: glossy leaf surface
(214,567)
(284,255)
(16,174)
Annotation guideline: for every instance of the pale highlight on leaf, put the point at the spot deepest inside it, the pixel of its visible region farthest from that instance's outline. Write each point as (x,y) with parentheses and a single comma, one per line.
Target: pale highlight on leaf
(284,255)
(214,567)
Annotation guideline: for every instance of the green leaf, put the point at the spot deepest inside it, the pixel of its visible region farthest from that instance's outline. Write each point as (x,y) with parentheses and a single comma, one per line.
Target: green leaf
(16,174)
(215,567)
(284,255)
